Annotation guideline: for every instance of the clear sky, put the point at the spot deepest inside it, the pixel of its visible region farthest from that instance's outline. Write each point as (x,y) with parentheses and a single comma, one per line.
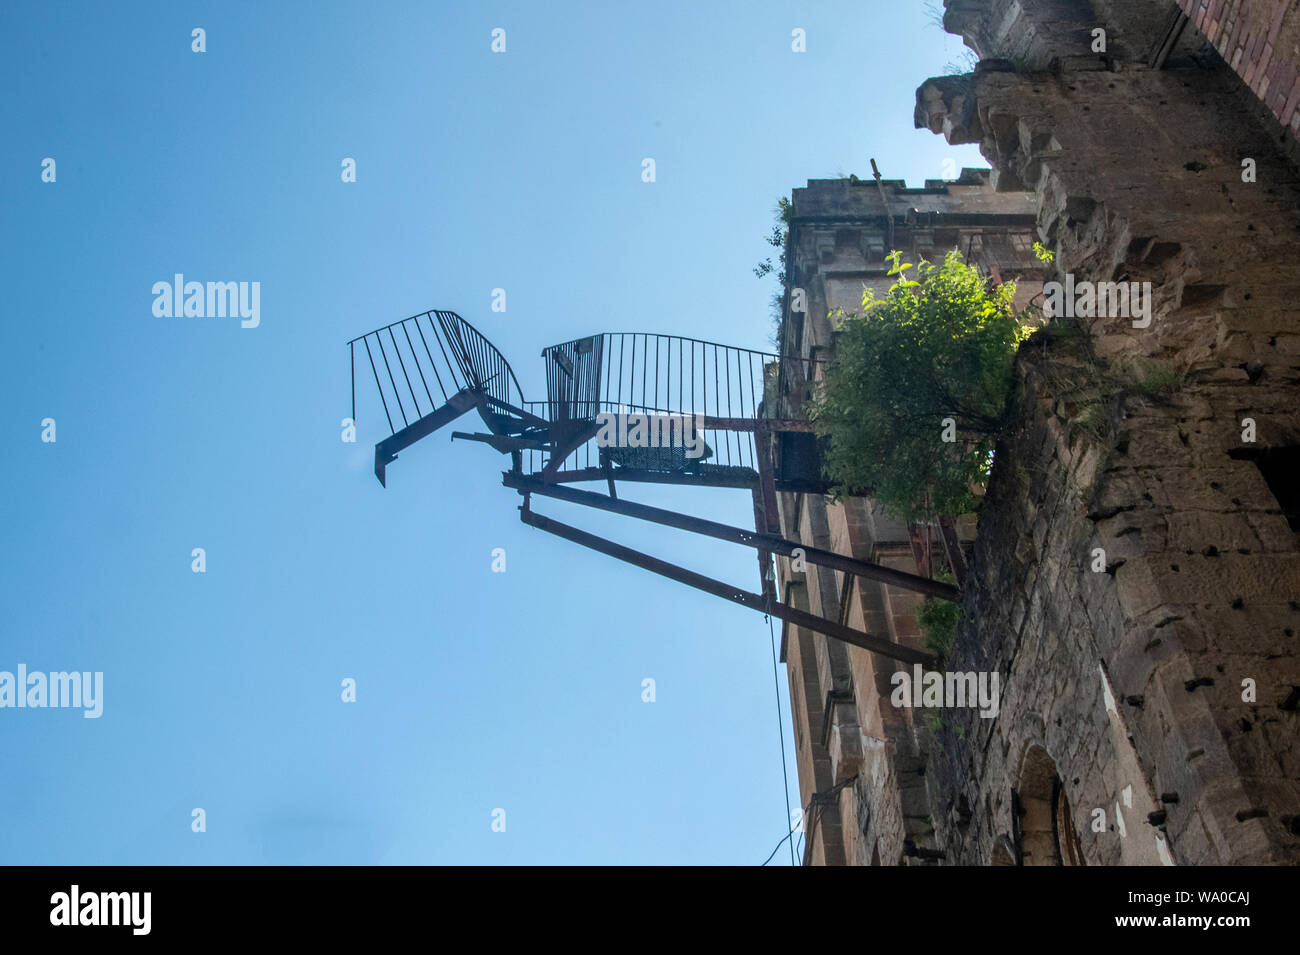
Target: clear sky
(475,690)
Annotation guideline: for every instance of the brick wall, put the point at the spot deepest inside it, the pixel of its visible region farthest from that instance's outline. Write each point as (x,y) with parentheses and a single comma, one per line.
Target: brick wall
(1260,40)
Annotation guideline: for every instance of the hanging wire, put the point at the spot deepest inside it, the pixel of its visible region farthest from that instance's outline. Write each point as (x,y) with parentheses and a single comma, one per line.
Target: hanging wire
(780,724)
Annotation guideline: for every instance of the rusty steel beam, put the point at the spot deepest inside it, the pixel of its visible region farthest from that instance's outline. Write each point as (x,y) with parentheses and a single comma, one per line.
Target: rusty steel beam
(643,476)
(710,423)
(705,479)
(773,543)
(718,588)
(766,480)
(386,450)
(766,565)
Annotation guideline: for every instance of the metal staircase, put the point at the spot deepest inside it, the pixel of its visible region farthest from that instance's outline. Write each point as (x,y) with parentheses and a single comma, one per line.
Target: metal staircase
(733,403)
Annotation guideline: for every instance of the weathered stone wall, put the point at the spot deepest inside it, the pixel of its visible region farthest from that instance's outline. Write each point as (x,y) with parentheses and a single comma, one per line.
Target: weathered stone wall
(861,763)
(1045,34)
(1136,679)
(1258,39)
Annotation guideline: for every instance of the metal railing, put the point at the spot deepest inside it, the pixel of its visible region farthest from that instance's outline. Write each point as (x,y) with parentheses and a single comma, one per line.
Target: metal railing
(433,367)
(645,373)
(435,350)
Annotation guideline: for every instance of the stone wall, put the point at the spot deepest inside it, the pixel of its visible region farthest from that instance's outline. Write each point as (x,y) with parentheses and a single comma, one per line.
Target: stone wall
(1047,34)
(1161,687)
(861,760)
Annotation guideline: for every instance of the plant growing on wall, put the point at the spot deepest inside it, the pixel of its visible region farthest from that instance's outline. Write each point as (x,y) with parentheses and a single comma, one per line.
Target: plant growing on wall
(777,239)
(915,396)
(938,620)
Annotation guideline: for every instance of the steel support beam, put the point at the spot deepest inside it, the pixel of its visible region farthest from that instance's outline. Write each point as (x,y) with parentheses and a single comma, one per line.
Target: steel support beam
(704,479)
(736,535)
(644,476)
(386,450)
(718,588)
(708,422)
(766,565)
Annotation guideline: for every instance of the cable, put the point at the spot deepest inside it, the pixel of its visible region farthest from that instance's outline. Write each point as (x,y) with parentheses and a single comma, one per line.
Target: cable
(817,803)
(780,725)
(811,803)
(777,848)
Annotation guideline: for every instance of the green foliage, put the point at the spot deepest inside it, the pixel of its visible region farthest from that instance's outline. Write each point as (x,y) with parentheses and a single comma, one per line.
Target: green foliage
(966,62)
(776,238)
(938,620)
(1044,253)
(1155,378)
(940,346)
(1093,421)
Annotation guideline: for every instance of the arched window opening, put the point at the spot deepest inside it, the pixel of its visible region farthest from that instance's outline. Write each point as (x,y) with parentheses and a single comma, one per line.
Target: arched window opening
(1045,832)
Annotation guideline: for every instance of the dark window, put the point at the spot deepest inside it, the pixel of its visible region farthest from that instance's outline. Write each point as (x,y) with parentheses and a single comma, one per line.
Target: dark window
(1280,467)
(946,239)
(800,457)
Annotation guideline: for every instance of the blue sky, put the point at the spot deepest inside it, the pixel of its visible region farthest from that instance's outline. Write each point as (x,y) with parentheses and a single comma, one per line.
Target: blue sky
(475,171)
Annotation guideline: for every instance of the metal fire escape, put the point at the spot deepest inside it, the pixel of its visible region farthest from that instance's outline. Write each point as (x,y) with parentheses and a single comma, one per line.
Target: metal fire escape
(431,369)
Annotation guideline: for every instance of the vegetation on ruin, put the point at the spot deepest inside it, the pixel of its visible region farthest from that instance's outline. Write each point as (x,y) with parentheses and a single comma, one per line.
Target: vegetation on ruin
(1092,392)
(938,620)
(916,395)
(777,239)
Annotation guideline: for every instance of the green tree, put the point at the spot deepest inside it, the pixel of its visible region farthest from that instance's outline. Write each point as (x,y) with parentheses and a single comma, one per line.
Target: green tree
(915,396)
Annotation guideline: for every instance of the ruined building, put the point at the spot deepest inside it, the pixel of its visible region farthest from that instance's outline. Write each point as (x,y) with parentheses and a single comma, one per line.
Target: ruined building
(1134,575)
(846,734)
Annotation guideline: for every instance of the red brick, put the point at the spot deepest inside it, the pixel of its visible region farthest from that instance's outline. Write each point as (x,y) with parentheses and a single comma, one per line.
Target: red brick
(1277,20)
(1278,87)
(1291,102)
(1261,71)
(1247,41)
(1261,39)
(1233,34)
(1247,67)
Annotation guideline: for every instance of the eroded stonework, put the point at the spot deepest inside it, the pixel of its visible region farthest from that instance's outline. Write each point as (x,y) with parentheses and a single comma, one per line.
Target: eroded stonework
(1169,680)
(862,761)
(1135,578)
